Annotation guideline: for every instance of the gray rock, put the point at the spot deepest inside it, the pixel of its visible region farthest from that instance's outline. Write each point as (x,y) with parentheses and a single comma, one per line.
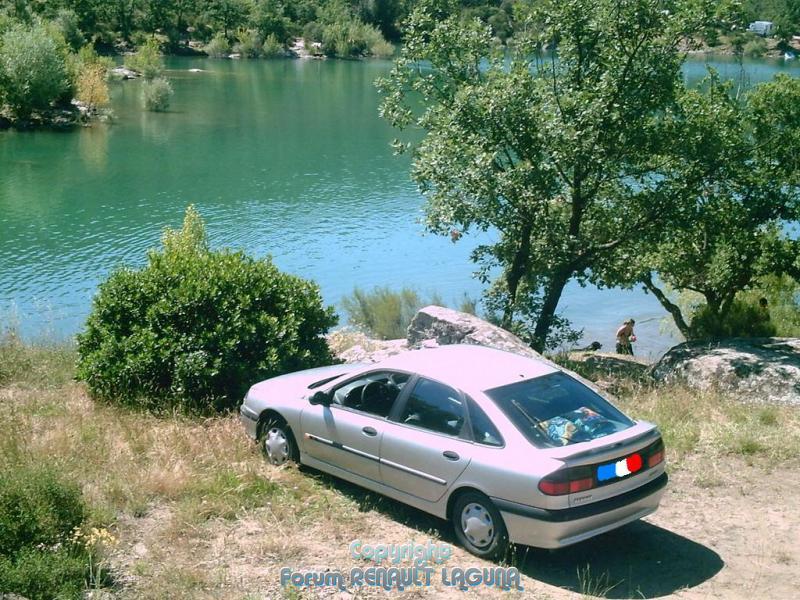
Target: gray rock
(435,325)
(373,351)
(610,365)
(124,73)
(754,369)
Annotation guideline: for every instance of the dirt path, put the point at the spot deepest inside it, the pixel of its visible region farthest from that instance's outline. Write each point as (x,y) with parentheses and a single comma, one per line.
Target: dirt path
(730,530)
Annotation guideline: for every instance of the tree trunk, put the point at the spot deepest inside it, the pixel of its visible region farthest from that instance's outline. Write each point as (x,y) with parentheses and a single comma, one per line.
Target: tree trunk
(515,274)
(673,309)
(552,295)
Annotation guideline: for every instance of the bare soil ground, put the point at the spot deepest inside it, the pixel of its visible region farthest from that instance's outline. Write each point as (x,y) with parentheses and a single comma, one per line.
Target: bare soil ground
(726,529)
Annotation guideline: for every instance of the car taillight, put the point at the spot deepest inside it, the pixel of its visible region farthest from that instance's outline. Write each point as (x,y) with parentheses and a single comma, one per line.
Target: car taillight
(655,454)
(554,488)
(655,458)
(568,481)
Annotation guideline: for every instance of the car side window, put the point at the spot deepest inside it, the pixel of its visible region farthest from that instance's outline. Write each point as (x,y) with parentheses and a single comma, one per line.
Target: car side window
(434,406)
(373,393)
(483,430)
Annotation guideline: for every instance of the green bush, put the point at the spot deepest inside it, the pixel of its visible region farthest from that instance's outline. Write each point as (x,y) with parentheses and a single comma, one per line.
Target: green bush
(36,509)
(312,32)
(33,71)
(38,574)
(383,312)
(248,44)
(744,319)
(195,328)
(156,94)
(147,60)
(783,296)
(272,48)
(218,47)
(39,514)
(755,48)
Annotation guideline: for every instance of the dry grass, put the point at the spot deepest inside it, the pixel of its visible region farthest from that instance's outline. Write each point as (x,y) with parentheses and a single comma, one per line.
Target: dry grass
(200,514)
(714,424)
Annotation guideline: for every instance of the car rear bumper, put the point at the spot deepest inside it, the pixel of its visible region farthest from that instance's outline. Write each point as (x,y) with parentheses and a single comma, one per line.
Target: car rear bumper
(250,421)
(544,528)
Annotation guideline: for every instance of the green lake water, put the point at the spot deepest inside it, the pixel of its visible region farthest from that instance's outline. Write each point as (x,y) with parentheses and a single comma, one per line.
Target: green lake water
(287,158)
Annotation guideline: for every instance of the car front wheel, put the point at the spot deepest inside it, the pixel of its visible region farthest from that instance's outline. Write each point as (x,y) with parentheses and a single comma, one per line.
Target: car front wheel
(479,526)
(277,442)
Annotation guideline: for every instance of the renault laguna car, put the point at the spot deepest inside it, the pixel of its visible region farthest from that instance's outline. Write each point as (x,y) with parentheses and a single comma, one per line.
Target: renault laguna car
(510,449)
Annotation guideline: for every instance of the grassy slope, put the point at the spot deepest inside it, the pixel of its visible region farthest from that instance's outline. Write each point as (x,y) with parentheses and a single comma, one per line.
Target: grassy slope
(190,499)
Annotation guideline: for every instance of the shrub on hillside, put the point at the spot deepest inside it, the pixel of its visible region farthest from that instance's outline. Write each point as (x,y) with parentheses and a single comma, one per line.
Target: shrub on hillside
(272,48)
(218,47)
(195,328)
(248,43)
(33,71)
(755,48)
(156,94)
(38,516)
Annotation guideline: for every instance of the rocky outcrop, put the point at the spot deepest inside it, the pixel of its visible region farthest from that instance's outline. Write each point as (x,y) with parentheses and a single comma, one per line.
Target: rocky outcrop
(436,325)
(754,369)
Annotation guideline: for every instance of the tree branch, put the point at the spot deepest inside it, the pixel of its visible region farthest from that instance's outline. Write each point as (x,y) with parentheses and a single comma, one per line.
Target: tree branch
(673,309)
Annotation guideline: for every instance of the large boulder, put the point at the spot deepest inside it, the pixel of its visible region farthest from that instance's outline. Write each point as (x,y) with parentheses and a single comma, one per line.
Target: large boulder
(754,369)
(435,325)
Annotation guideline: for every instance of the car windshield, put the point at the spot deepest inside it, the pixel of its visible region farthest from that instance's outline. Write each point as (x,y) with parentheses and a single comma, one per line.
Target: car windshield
(557,410)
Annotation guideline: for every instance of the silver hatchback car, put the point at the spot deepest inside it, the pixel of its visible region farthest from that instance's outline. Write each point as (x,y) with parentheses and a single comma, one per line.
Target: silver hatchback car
(510,449)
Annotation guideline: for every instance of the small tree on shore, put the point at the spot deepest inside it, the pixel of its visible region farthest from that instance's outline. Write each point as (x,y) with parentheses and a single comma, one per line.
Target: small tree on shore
(33,70)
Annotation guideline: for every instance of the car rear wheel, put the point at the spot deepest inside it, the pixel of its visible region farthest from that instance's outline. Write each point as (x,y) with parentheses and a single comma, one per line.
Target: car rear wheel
(479,526)
(277,442)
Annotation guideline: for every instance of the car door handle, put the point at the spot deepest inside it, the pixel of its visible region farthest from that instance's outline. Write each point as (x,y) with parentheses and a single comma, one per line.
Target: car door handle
(371,431)
(450,455)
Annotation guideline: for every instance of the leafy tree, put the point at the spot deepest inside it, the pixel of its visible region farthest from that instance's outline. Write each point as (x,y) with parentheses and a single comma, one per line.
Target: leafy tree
(744,155)
(563,156)
(92,87)
(268,18)
(196,327)
(227,15)
(33,70)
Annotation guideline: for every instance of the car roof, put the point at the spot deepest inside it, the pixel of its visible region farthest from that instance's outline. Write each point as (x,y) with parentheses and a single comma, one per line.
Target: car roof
(469,366)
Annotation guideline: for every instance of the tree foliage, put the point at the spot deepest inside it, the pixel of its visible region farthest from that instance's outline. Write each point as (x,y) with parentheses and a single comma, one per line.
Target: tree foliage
(595,162)
(743,152)
(33,68)
(562,155)
(196,327)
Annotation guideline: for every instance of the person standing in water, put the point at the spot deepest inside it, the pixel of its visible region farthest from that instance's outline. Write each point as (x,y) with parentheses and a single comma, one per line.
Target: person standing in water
(625,337)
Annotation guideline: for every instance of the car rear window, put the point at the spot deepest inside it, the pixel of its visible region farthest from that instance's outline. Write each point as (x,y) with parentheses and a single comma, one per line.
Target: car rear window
(557,410)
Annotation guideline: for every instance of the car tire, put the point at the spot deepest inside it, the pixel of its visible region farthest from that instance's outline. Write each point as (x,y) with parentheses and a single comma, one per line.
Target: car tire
(277,441)
(479,526)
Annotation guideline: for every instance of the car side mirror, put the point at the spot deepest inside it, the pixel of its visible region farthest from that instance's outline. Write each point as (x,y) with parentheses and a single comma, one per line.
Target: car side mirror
(320,398)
